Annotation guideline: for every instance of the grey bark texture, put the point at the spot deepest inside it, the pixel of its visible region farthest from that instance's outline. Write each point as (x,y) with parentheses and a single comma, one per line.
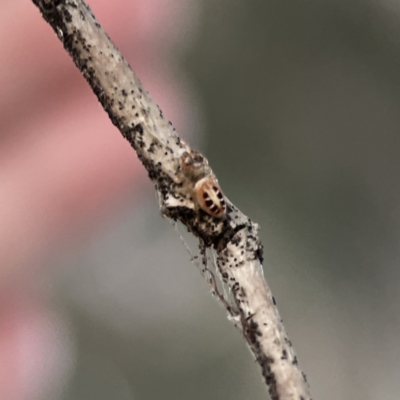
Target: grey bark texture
(234,237)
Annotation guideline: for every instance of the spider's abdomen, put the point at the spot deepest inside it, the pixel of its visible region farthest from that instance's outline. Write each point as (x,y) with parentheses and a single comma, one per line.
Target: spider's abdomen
(209,197)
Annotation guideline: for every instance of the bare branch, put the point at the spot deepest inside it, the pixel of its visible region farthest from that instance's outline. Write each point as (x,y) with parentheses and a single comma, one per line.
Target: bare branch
(176,170)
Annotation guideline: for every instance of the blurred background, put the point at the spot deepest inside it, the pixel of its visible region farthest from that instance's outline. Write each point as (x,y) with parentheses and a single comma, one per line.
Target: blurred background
(296,105)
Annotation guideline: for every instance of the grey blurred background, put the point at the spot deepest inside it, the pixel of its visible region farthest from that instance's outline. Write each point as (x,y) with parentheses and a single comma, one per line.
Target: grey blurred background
(298,104)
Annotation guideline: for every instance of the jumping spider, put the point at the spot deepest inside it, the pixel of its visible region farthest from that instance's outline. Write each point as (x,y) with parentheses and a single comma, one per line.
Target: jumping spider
(202,184)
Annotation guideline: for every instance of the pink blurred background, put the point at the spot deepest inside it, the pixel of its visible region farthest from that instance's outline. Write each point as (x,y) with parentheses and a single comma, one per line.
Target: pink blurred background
(64,166)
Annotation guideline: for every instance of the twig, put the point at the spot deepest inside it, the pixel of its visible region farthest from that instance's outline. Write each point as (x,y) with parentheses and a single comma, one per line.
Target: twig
(233,235)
